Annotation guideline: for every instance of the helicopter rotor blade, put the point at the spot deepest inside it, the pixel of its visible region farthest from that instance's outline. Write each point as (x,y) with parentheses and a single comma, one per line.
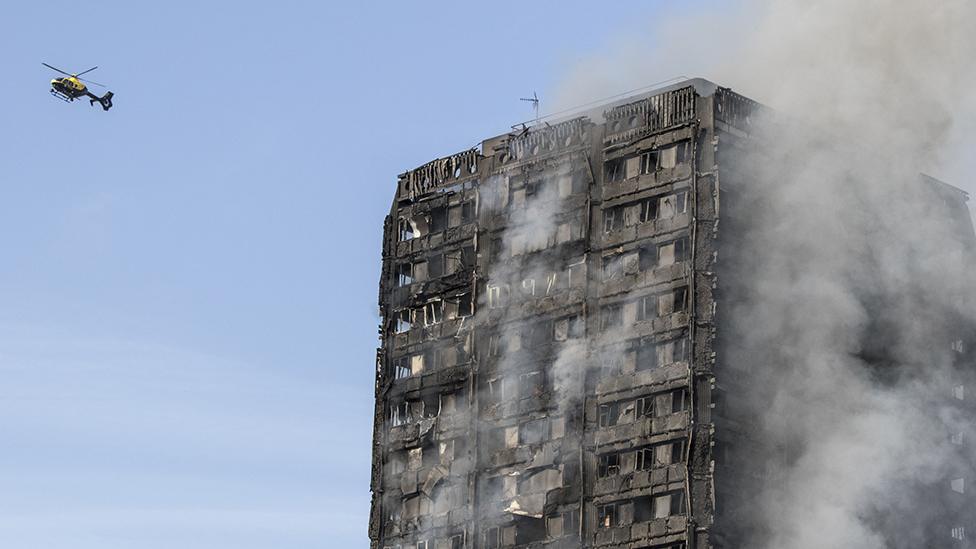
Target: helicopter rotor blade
(87,81)
(89,70)
(55,69)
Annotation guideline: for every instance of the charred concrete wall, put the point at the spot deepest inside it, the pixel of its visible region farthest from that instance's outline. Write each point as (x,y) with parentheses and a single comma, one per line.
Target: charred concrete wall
(547,375)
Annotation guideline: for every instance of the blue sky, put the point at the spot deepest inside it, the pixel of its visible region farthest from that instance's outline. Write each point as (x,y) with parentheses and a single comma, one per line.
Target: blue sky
(188,282)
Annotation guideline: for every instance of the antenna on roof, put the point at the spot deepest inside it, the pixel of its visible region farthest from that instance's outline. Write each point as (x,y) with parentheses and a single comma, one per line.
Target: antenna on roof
(535,104)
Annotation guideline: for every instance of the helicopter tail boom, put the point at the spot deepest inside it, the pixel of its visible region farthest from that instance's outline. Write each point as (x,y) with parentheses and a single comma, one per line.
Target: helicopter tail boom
(105,101)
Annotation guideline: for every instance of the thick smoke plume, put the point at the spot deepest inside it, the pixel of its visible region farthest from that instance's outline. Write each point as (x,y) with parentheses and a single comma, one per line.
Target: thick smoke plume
(846,279)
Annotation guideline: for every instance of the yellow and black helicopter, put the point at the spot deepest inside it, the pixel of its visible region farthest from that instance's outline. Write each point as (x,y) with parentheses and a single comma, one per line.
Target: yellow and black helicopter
(71,87)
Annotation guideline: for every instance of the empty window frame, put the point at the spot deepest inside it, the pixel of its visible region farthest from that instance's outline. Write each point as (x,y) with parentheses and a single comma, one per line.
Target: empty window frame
(402,321)
(671,205)
(446,451)
(496,248)
(645,406)
(681,350)
(679,400)
(405,230)
(647,356)
(664,157)
(664,254)
(420,409)
(457,306)
(461,214)
(669,504)
(651,355)
(500,389)
(435,266)
(410,411)
(417,364)
(647,307)
(574,183)
(615,170)
(433,312)
(575,271)
(531,384)
(533,432)
(438,219)
(642,509)
(609,465)
(613,267)
(656,405)
(448,403)
(497,295)
(608,414)
(465,304)
(648,209)
(682,249)
(570,327)
(647,257)
(653,306)
(628,215)
(401,368)
(671,156)
(492,539)
(394,510)
(404,274)
(611,316)
(562,524)
(468,257)
(458,260)
(517,198)
(648,162)
(672,252)
(626,412)
(535,334)
(660,455)
(496,345)
(567,232)
(399,414)
(675,301)
(607,515)
(613,219)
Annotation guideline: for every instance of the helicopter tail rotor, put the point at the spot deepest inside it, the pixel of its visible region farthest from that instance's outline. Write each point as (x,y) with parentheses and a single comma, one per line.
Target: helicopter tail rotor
(105,101)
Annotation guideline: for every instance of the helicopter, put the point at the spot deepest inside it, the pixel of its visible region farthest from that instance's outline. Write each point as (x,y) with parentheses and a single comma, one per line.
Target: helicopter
(71,87)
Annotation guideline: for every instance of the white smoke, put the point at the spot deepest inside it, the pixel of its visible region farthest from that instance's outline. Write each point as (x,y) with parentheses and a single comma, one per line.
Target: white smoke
(894,71)
(844,258)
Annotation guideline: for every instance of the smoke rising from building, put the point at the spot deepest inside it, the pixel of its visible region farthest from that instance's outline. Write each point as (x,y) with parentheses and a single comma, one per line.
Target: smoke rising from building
(847,277)
(624,326)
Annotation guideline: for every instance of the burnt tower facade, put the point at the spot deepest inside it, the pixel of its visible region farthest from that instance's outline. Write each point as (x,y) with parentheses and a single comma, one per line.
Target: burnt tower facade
(547,371)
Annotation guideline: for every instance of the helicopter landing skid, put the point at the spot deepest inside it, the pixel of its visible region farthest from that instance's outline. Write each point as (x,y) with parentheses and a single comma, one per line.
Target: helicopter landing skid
(61,96)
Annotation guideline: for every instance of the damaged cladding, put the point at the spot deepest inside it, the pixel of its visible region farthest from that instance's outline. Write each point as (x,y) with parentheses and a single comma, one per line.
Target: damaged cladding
(547,373)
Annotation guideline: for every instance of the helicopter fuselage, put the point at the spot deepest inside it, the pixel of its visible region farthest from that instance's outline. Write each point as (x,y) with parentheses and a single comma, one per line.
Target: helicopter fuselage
(70,87)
